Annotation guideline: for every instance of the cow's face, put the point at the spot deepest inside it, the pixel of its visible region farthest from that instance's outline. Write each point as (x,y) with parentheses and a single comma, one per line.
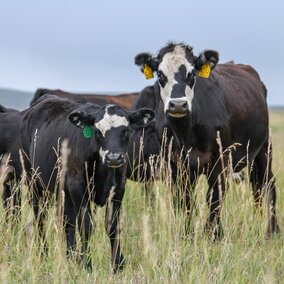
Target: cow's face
(110,127)
(176,68)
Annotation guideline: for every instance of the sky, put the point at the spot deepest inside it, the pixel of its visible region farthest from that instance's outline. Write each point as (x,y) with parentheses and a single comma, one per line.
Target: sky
(90,45)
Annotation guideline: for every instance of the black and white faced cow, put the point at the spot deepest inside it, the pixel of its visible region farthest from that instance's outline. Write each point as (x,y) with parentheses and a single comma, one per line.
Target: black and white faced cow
(98,146)
(200,108)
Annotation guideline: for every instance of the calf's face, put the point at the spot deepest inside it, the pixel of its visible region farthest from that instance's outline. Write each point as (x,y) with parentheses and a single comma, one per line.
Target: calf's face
(109,127)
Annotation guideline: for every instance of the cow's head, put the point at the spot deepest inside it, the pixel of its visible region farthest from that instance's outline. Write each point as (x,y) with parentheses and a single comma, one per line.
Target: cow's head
(177,68)
(110,127)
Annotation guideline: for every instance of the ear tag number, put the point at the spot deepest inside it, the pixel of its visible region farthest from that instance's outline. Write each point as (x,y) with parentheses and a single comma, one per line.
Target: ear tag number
(148,72)
(88,131)
(204,71)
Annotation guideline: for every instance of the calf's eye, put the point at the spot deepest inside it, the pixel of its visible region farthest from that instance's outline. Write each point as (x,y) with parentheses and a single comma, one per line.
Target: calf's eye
(99,134)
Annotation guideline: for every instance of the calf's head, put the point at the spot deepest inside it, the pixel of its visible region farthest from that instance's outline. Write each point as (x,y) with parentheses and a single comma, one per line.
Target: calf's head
(177,68)
(110,126)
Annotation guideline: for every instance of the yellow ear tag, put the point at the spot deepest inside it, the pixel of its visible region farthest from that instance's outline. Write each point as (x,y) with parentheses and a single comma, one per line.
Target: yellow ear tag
(205,70)
(148,72)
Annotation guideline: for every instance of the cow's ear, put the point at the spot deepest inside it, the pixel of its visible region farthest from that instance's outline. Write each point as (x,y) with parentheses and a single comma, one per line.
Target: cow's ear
(147,63)
(141,117)
(81,119)
(206,57)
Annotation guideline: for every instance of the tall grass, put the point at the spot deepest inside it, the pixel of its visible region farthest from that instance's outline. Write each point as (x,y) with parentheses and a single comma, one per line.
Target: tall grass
(153,240)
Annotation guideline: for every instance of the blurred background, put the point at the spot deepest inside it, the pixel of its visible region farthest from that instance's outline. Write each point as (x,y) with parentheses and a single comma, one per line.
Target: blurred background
(89,46)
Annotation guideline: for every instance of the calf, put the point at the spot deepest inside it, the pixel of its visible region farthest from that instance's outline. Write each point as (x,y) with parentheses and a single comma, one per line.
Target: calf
(138,167)
(98,146)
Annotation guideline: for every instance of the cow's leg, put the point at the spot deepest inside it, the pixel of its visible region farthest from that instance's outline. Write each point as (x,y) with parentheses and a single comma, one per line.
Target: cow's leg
(70,224)
(39,208)
(214,198)
(6,197)
(263,182)
(184,190)
(112,224)
(85,230)
(256,188)
(11,196)
(81,205)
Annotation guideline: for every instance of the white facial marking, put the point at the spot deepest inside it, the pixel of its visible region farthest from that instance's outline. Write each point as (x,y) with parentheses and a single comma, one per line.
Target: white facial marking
(169,66)
(103,154)
(110,121)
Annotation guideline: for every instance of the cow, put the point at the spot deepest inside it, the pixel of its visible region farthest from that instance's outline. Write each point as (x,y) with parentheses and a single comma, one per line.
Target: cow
(217,116)
(11,168)
(97,137)
(123,100)
(146,98)
(144,148)
(138,166)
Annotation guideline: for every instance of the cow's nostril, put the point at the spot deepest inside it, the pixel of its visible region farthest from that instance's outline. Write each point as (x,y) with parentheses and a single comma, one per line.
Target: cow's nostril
(185,105)
(172,105)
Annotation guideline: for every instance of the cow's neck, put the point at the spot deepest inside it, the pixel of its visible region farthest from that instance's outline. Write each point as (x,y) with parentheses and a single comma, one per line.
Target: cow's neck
(181,128)
(115,177)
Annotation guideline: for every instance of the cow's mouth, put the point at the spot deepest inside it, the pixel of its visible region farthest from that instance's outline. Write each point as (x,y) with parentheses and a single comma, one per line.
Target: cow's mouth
(115,165)
(177,115)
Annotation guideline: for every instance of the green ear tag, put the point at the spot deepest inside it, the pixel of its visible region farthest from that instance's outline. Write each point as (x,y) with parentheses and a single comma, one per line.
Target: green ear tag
(88,131)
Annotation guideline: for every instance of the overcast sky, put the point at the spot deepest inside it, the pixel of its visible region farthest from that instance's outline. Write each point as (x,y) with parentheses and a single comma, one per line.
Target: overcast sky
(89,45)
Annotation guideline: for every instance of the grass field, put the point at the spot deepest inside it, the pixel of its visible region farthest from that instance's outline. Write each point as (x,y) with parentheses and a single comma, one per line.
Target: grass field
(153,242)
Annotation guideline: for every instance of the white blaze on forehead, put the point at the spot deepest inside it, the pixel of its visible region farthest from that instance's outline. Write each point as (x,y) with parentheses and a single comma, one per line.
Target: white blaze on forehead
(110,121)
(172,61)
(170,65)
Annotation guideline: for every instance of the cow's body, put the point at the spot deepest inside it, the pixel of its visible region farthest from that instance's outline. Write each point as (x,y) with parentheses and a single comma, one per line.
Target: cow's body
(10,144)
(209,115)
(101,158)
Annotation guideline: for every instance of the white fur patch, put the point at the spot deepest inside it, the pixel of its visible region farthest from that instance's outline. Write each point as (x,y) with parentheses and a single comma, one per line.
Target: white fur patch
(170,65)
(110,121)
(103,154)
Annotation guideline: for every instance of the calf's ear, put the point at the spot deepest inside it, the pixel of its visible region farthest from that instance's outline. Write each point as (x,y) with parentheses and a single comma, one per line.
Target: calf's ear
(209,56)
(81,119)
(141,117)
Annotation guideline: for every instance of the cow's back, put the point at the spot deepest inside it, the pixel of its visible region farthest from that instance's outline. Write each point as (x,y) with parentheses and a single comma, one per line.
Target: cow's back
(44,127)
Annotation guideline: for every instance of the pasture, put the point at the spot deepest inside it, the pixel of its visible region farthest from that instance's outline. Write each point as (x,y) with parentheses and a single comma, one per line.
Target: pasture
(153,240)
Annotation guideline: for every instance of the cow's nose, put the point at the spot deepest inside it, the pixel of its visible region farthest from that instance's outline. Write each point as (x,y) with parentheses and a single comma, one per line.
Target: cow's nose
(114,160)
(178,108)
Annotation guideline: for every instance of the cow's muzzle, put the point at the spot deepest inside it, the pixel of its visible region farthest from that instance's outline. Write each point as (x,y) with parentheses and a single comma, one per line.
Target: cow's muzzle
(178,108)
(114,160)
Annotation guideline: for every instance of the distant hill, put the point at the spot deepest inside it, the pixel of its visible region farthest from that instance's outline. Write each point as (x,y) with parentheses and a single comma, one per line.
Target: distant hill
(15,99)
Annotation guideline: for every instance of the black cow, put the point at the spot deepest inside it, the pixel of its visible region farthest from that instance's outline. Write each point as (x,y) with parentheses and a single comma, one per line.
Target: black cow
(100,156)
(226,112)
(146,98)
(138,168)
(11,169)
(144,148)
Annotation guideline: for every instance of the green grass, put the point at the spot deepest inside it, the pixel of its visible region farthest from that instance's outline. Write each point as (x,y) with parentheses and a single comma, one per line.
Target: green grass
(153,240)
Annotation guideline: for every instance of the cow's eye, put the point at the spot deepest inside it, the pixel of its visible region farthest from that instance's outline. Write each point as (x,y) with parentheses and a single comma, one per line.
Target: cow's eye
(162,78)
(190,79)
(98,134)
